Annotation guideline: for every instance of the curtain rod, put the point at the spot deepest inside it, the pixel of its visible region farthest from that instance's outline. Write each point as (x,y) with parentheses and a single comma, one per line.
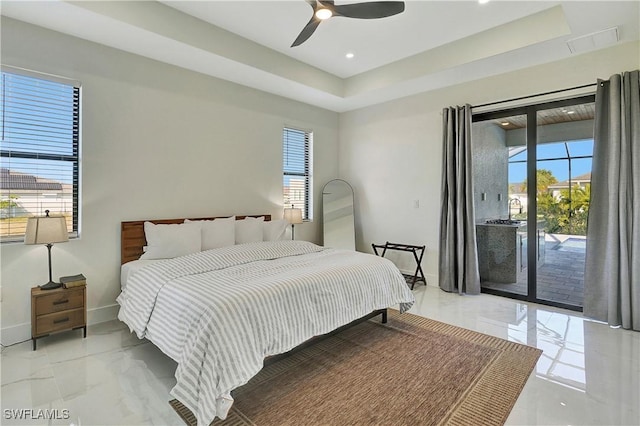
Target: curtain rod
(536,95)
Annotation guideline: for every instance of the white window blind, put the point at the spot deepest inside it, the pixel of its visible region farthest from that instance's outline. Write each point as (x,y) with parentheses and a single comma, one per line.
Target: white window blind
(39,152)
(297,170)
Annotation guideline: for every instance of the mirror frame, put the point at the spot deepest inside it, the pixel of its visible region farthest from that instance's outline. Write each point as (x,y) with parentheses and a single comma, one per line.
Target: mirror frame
(324,230)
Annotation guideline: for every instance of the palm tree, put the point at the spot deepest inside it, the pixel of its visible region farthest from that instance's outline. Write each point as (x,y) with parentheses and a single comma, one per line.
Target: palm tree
(544,179)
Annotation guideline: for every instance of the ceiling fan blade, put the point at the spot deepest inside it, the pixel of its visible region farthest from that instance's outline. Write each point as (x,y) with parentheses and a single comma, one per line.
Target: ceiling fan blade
(306,31)
(369,10)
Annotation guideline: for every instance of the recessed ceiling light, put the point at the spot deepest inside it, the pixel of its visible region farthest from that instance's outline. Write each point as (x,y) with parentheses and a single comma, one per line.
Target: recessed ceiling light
(483,1)
(506,123)
(324,14)
(349,55)
(571,112)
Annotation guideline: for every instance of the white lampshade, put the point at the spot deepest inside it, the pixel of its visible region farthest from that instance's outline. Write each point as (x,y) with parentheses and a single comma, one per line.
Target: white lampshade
(46,230)
(293,215)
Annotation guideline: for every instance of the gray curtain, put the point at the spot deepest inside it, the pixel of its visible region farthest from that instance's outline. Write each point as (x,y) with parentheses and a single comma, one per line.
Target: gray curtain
(458,262)
(612,271)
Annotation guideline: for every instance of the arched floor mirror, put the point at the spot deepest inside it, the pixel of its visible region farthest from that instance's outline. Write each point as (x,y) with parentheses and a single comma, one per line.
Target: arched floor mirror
(338,215)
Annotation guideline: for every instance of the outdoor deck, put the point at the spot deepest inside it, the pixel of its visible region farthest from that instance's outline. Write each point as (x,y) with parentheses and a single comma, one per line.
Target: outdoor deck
(561,277)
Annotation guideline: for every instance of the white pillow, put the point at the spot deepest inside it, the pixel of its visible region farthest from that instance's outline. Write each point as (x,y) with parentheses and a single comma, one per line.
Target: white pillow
(217,233)
(249,230)
(274,230)
(171,240)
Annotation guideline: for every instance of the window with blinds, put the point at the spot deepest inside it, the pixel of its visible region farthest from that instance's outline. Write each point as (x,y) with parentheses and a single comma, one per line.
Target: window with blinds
(297,170)
(39,152)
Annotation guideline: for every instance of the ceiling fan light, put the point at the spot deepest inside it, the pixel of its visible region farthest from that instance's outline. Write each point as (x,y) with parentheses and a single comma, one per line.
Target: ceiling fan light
(323,14)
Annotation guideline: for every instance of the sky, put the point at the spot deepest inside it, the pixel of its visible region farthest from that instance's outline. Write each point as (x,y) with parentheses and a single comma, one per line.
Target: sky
(37,117)
(548,155)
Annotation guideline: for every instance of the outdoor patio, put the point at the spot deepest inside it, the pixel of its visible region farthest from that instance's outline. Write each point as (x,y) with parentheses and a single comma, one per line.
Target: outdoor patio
(561,277)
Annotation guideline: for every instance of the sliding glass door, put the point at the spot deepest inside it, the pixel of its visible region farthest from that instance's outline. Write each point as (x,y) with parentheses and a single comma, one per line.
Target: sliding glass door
(563,191)
(532,169)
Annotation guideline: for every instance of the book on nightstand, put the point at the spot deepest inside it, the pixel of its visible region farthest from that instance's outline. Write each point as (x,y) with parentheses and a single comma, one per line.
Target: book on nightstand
(73,281)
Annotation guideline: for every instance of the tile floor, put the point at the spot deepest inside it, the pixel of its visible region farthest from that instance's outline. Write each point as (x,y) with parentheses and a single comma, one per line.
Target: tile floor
(588,373)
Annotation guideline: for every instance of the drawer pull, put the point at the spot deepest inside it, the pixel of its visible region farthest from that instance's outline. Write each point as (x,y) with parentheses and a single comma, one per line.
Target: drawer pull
(61,302)
(61,320)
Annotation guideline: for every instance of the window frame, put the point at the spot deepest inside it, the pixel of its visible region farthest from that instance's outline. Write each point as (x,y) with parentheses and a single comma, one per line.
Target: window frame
(73,155)
(307,204)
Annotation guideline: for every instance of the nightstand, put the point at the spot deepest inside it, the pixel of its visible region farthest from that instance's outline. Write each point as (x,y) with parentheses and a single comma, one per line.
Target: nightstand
(57,310)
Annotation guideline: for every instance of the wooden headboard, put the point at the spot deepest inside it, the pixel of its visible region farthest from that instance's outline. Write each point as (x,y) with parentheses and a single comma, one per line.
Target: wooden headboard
(132,237)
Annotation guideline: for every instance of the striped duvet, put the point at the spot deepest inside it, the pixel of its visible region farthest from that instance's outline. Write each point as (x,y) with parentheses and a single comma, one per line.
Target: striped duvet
(219,313)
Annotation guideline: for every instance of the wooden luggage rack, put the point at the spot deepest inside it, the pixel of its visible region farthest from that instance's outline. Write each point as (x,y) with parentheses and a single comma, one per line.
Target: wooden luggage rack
(418,252)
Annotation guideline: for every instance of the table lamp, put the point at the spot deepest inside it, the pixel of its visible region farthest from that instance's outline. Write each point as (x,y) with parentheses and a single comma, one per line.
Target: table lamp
(47,230)
(293,216)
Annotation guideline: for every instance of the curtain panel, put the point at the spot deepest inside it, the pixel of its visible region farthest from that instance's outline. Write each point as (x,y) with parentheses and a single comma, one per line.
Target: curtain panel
(458,254)
(612,271)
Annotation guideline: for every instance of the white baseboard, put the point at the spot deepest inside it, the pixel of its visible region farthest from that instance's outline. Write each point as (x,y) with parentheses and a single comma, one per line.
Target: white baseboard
(21,332)
(102,314)
(432,280)
(15,334)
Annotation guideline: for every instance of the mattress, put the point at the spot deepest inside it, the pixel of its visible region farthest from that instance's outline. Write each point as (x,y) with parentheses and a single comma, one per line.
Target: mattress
(221,312)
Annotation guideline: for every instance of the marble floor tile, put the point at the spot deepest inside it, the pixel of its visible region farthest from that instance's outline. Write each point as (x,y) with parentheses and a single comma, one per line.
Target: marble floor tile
(588,373)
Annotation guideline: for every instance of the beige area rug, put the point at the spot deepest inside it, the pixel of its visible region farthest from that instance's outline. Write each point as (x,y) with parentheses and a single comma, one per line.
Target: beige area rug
(410,371)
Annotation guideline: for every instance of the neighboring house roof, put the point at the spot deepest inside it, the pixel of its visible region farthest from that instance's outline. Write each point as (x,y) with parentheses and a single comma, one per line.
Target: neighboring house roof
(585,178)
(13,180)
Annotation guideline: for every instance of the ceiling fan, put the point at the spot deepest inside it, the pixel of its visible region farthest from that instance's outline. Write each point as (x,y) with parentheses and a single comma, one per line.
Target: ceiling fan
(325,9)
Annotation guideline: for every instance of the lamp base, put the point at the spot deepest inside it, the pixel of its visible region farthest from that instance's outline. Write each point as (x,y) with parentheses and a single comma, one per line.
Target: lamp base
(50,286)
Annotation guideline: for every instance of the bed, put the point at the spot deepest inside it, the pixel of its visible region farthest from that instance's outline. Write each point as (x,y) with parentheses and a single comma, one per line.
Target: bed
(221,311)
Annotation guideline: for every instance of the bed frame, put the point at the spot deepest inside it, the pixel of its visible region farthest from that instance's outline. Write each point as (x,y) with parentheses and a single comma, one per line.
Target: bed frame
(133,239)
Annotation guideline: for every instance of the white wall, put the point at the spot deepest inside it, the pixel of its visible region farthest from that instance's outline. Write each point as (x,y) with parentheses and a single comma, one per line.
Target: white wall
(392,153)
(157,142)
